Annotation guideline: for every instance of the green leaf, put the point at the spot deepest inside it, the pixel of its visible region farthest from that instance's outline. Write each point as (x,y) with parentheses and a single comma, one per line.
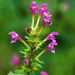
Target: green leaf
(19,70)
(39,61)
(11,73)
(27,37)
(26,50)
(35,68)
(22,52)
(39,65)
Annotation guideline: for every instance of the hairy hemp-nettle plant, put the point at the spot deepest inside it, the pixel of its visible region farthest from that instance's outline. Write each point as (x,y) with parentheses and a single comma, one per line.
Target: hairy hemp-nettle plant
(34,46)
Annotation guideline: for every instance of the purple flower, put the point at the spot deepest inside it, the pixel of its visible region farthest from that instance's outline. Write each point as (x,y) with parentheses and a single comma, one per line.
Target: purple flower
(47,14)
(42,9)
(26,61)
(46,20)
(15,36)
(51,46)
(52,36)
(15,59)
(33,7)
(43,73)
(44,6)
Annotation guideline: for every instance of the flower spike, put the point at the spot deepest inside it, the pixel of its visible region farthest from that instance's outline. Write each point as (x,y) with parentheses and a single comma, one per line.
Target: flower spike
(34,46)
(33,9)
(42,10)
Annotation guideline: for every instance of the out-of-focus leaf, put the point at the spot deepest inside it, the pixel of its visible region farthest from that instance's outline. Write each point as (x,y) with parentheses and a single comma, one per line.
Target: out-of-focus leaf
(19,71)
(11,73)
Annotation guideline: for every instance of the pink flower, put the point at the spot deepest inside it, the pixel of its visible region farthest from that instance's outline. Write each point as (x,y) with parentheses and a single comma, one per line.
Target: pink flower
(47,14)
(52,36)
(15,36)
(15,59)
(42,9)
(43,73)
(33,7)
(46,20)
(51,46)
(26,61)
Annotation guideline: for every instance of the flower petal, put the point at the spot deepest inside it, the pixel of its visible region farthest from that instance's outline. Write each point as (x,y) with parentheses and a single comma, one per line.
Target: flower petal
(15,36)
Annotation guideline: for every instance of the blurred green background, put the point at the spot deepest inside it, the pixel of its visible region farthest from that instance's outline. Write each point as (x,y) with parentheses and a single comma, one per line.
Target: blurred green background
(15,16)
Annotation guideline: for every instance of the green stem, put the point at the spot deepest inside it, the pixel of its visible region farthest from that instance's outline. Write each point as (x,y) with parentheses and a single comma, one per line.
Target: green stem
(37,22)
(40,44)
(40,54)
(24,43)
(32,26)
(40,31)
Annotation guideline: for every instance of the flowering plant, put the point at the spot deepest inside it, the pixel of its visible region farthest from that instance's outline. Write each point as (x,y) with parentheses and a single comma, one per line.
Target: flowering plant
(34,45)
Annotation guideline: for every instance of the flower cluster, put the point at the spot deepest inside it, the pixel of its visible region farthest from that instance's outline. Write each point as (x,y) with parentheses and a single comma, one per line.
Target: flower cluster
(33,8)
(52,37)
(46,19)
(30,54)
(43,11)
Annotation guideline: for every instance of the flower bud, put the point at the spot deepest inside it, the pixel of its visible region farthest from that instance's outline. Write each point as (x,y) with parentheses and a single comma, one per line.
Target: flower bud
(26,61)
(43,73)
(15,59)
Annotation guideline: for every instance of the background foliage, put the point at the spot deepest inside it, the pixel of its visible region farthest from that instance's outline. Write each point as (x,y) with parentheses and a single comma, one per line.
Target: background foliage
(15,16)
